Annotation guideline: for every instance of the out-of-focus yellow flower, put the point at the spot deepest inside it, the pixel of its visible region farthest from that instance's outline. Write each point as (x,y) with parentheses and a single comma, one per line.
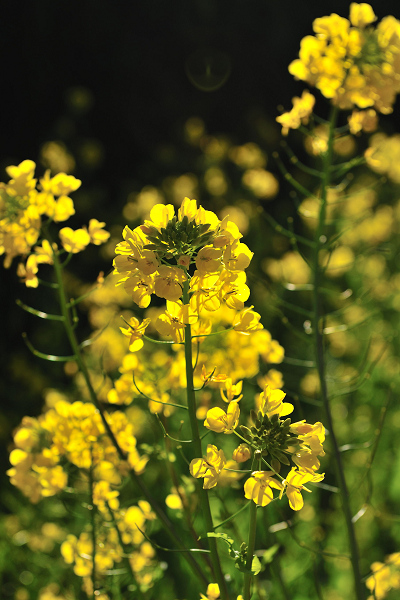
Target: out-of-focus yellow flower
(97,233)
(259,487)
(135,333)
(300,113)
(337,262)
(74,241)
(363,120)
(232,390)
(262,183)
(212,592)
(385,577)
(247,321)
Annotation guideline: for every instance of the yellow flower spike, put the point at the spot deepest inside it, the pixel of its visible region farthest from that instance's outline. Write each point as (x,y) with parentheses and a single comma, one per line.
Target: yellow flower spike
(135,333)
(209,467)
(351,62)
(223,422)
(259,487)
(271,403)
(74,241)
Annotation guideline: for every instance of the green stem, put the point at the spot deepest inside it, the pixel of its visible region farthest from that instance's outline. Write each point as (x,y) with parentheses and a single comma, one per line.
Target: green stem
(320,360)
(93,523)
(166,523)
(191,400)
(250,550)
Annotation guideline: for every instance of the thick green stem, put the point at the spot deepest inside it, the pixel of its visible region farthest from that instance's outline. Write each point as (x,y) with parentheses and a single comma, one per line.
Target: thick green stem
(250,550)
(191,400)
(166,523)
(320,360)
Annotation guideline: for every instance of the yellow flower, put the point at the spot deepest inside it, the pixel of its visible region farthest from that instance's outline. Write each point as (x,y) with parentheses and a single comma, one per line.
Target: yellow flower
(209,467)
(294,484)
(232,390)
(241,453)
(205,290)
(212,592)
(97,234)
(135,333)
(247,321)
(208,260)
(74,241)
(302,109)
(237,256)
(271,403)
(363,120)
(140,287)
(259,487)
(223,422)
(188,209)
(350,63)
(172,323)
(59,185)
(168,283)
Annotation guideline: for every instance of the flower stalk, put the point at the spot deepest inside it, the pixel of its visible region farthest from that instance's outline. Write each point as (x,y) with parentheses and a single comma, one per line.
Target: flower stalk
(320,357)
(191,400)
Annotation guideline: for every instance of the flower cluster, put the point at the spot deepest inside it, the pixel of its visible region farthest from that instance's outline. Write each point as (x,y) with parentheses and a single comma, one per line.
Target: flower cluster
(192,260)
(385,577)
(116,530)
(350,62)
(271,435)
(72,433)
(24,203)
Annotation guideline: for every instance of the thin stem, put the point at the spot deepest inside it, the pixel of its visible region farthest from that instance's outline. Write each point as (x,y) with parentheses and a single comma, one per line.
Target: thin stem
(250,550)
(320,359)
(93,523)
(191,400)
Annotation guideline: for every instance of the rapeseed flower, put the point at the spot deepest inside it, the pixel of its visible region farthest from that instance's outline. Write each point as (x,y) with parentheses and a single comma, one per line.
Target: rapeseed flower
(352,63)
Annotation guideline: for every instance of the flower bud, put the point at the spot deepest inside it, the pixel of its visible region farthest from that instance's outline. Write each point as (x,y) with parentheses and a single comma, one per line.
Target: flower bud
(242,453)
